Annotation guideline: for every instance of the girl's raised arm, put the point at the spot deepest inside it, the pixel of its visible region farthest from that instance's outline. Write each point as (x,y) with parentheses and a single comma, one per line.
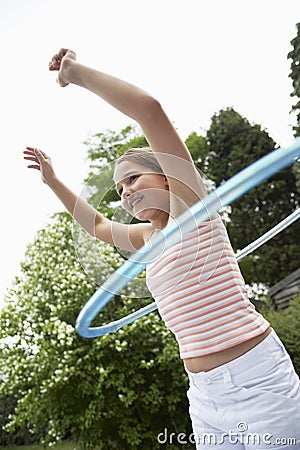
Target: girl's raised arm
(170,150)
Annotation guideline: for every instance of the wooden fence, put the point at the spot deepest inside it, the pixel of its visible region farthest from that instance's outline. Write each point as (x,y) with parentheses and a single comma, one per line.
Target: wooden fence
(282,292)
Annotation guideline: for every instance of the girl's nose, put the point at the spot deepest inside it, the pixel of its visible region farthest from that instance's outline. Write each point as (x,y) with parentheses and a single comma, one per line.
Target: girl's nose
(126,193)
(124,197)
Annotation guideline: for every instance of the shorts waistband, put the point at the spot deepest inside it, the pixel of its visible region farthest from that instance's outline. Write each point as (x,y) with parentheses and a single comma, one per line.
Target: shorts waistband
(222,373)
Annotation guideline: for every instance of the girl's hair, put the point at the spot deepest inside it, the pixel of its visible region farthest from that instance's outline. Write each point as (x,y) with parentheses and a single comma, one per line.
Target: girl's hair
(143,156)
(146,157)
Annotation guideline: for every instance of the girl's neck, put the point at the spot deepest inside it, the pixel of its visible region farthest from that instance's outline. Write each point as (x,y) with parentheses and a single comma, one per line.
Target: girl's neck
(160,221)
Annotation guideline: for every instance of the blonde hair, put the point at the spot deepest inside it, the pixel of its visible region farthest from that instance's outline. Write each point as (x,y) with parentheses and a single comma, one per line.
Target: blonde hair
(143,156)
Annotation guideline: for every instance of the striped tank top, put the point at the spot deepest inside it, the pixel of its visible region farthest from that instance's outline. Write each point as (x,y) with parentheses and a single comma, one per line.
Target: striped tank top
(201,294)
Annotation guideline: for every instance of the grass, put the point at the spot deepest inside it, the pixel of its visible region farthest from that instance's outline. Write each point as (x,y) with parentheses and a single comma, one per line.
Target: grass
(63,446)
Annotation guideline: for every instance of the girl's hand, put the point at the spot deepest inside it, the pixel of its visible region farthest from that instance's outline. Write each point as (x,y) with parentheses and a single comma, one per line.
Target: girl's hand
(61,62)
(42,163)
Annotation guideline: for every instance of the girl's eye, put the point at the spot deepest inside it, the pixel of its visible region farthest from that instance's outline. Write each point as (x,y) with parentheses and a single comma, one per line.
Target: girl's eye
(132,178)
(129,180)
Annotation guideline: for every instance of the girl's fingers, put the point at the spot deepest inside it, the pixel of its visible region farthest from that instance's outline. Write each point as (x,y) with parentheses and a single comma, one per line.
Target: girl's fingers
(30,155)
(34,167)
(62,52)
(28,152)
(55,62)
(31,158)
(35,152)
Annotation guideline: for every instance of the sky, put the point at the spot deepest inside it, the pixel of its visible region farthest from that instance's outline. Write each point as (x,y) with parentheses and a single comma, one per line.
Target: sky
(195,56)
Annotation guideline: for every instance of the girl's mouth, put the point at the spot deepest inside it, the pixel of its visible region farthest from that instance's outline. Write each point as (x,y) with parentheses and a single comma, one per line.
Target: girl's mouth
(132,203)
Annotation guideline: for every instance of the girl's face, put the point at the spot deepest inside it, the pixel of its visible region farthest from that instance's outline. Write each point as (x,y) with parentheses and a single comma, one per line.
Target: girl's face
(144,194)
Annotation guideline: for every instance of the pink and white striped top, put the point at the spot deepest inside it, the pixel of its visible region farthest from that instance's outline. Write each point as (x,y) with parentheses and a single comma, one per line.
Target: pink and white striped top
(201,295)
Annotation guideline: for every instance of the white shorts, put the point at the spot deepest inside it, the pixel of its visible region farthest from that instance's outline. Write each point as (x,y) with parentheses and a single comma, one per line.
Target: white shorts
(252,402)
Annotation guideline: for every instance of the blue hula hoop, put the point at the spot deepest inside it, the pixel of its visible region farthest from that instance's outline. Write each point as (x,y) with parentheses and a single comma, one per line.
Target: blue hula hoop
(225,194)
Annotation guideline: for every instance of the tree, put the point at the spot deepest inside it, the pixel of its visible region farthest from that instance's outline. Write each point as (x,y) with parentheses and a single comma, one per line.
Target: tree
(118,391)
(22,436)
(199,151)
(234,144)
(286,325)
(294,55)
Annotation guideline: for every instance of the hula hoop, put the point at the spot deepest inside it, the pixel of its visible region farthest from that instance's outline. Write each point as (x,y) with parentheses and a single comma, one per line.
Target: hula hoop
(225,194)
(269,235)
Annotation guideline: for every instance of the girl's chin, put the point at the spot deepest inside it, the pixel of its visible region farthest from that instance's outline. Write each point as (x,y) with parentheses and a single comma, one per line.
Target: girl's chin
(143,216)
(146,214)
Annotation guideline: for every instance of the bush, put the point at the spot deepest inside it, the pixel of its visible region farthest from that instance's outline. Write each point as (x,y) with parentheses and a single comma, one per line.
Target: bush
(21,436)
(286,324)
(117,391)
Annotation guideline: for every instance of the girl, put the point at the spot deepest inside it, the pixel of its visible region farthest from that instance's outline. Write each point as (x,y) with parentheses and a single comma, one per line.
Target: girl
(244,392)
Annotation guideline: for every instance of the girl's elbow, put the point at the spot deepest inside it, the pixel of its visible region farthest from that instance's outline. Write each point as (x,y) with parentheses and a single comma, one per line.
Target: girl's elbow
(151,109)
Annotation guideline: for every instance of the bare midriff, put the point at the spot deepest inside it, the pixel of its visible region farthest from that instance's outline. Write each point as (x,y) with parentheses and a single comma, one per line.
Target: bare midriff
(209,362)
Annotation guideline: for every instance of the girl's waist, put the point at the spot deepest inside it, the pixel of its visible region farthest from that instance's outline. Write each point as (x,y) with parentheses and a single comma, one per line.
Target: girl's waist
(214,360)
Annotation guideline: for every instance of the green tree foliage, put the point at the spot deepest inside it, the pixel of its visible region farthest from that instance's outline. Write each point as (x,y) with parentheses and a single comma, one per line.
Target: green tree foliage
(294,55)
(37,328)
(199,150)
(22,436)
(234,144)
(286,325)
(117,391)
